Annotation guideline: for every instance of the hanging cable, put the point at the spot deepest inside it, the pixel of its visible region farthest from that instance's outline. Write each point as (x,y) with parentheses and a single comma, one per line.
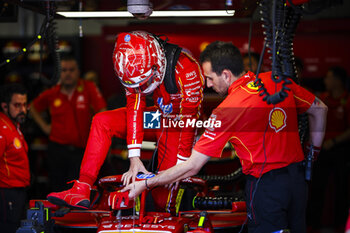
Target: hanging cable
(47,32)
(274,34)
(219,180)
(80,20)
(52,41)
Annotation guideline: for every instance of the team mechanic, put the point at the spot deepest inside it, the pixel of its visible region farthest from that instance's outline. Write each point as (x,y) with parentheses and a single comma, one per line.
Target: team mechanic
(143,67)
(71,104)
(14,163)
(264,136)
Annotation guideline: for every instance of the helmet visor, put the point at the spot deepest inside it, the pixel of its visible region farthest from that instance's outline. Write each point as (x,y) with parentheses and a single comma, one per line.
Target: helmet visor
(141,86)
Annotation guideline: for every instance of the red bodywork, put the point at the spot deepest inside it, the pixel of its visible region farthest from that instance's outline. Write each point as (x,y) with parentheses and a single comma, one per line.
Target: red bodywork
(104,219)
(297,2)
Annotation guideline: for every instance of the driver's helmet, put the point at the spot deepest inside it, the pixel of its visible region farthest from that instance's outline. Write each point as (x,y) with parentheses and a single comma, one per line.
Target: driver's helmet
(139,61)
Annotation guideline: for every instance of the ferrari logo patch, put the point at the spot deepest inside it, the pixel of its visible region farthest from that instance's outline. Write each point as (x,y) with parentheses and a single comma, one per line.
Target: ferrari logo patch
(17,143)
(277,119)
(251,85)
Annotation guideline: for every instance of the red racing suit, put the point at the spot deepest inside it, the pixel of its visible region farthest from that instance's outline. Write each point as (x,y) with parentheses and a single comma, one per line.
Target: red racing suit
(172,142)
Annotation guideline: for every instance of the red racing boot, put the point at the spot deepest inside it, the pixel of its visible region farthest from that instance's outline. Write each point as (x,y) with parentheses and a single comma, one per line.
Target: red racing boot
(78,197)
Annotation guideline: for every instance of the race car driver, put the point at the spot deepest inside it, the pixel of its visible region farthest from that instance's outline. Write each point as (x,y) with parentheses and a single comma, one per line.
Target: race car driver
(144,64)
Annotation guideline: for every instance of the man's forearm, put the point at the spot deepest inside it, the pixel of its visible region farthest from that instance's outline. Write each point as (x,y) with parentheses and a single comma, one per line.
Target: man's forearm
(180,171)
(317,122)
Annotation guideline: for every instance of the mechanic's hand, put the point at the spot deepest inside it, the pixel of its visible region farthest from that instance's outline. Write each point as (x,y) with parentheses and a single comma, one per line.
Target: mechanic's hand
(135,189)
(136,166)
(315,151)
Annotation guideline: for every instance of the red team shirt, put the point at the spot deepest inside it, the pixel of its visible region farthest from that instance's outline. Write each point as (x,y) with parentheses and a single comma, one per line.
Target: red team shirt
(71,118)
(186,103)
(14,165)
(244,118)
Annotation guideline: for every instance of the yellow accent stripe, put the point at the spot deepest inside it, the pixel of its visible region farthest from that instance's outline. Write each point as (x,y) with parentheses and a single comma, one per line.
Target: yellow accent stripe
(250,154)
(47,214)
(136,106)
(137,204)
(136,101)
(303,100)
(182,99)
(236,88)
(168,201)
(181,86)
(178,199)
(202,79)
(3,120)
(201,221)
(113,202)
(7,167)
(199,68)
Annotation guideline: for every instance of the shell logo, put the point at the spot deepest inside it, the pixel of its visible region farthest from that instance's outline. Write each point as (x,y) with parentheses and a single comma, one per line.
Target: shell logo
(57,103)
(251,85)
(277,119)
(17,143)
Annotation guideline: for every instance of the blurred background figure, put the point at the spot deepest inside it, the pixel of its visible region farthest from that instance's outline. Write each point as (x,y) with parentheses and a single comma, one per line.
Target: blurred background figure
(299,67)
(251,64)
(72,104)
(14,164)
(92,76)
(329,188)
(338,101)
(311,84)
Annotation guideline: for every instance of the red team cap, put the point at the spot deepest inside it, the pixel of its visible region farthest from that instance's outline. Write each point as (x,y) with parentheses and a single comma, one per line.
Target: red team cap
(139,61)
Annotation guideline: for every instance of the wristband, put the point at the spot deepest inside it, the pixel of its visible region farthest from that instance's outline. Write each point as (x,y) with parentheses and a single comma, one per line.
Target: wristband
(134,153)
